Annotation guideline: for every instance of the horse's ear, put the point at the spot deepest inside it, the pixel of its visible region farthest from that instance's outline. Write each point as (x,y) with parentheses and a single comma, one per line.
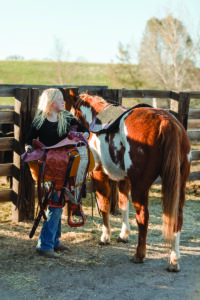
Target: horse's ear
(70,97)
(73,92)
(87,92)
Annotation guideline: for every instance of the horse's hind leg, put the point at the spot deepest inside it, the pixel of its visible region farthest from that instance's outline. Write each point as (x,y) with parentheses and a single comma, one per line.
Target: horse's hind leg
(101,186)
(140,201)
(123,192)
(174,261)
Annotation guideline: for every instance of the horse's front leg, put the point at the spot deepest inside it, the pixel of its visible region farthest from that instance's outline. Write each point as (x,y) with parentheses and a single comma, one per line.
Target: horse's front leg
(101,186)
(105,237)
(123,192)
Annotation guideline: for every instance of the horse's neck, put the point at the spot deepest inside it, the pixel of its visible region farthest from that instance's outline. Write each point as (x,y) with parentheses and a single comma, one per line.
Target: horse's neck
(99,107)
(96,109)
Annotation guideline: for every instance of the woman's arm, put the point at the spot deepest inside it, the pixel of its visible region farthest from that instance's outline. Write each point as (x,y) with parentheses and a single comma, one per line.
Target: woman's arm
(33,134)
(80,127)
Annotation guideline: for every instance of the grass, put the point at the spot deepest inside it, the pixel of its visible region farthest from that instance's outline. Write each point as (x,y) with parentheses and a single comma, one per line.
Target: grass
(52,73)
(69,73)
(55,73)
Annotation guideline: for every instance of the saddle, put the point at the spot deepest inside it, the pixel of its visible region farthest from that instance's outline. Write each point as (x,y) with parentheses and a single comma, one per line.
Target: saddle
(56,166)
(108,119)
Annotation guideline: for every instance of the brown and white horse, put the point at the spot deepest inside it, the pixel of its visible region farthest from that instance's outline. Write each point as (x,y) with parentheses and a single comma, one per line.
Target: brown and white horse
(147,143)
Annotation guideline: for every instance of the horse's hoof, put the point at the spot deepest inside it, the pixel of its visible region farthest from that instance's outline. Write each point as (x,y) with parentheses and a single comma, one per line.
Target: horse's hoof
(137,260)
(104,243)
(174,268)
(120,240)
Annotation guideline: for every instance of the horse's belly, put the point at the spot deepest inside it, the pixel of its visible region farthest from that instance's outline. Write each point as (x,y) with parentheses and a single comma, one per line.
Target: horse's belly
(113,171)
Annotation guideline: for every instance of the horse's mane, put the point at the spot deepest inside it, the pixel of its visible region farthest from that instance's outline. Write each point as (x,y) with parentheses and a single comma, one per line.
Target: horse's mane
(96,102)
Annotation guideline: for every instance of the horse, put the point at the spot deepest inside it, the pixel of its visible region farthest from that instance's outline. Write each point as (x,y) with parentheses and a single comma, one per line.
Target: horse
(144,144)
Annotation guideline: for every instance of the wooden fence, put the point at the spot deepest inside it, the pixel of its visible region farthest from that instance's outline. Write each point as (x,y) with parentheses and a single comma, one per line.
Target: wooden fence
(25,102)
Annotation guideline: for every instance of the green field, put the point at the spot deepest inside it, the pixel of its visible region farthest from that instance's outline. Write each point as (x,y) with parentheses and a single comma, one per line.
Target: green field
(57,73)
(52,73)
(48,72)
(68,73)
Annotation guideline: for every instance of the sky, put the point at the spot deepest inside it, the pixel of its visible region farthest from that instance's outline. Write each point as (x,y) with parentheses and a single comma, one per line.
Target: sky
(83,30)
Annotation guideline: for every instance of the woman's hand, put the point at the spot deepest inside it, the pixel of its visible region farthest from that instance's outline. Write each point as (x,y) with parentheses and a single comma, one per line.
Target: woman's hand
(28,148)
(86,135)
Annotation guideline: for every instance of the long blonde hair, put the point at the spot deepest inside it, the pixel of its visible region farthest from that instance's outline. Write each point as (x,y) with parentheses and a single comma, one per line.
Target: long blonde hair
(46,99)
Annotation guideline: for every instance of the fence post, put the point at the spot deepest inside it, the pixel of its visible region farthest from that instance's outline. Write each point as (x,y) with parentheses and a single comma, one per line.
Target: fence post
(180,107)
(113,96)
(23,193)
(154,102)
(184,105)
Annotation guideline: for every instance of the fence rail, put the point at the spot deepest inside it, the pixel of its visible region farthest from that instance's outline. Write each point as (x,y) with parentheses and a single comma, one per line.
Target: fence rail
(21,115)
(8,90)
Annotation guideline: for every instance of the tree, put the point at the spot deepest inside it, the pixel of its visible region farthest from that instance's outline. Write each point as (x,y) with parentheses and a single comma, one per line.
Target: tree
(125,74)
(66,72)
(15,57)
(60,54)
(168,56)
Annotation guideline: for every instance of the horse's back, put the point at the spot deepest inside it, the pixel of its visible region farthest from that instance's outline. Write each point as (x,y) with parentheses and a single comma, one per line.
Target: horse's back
(145,124)
(148,133)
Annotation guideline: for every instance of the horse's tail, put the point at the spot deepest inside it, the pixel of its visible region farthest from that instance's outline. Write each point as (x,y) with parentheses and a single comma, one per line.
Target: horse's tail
(171,132)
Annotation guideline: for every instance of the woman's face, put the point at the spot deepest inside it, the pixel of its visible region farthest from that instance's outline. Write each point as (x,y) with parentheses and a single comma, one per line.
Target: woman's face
(58,104)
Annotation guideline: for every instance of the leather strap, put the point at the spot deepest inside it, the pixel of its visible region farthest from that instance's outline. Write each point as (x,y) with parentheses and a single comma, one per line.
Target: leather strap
(69,167)
(40,164)
(81,190)
(44,204)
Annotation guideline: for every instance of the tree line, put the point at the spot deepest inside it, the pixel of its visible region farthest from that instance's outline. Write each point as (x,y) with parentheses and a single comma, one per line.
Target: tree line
(168,58)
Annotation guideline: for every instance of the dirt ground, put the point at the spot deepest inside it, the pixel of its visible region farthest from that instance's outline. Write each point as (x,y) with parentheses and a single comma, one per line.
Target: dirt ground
(91,271)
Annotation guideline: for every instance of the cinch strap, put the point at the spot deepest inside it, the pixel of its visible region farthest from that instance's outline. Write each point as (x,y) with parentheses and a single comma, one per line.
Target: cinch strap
(82,170)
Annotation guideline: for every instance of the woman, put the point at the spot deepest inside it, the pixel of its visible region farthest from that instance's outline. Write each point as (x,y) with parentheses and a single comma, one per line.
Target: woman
(51,125)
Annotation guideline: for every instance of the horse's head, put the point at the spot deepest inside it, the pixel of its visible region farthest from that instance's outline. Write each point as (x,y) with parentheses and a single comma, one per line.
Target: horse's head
(70,97)
(87,107)
(84,107)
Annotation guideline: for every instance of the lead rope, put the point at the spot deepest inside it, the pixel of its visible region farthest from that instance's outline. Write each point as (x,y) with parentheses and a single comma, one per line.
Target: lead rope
(95,196)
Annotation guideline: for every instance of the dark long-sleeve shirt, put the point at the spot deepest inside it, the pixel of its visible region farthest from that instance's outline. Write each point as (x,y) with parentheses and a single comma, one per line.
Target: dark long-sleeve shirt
(48,134)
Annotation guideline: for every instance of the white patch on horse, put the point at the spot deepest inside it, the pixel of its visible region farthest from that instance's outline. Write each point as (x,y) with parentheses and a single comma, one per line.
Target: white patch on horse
(87,113)
(189,156)
(125,223)
(105,237)
(94,144)
(127,160)
(110,168)
(175,253)
(100,149)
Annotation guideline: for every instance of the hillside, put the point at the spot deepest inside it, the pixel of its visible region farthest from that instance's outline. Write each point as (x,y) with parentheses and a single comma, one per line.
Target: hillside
(59,73)
(48,72)
(77,73)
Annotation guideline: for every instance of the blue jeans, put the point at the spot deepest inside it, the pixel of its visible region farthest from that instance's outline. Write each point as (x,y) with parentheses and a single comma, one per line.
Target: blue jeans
(51,229)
